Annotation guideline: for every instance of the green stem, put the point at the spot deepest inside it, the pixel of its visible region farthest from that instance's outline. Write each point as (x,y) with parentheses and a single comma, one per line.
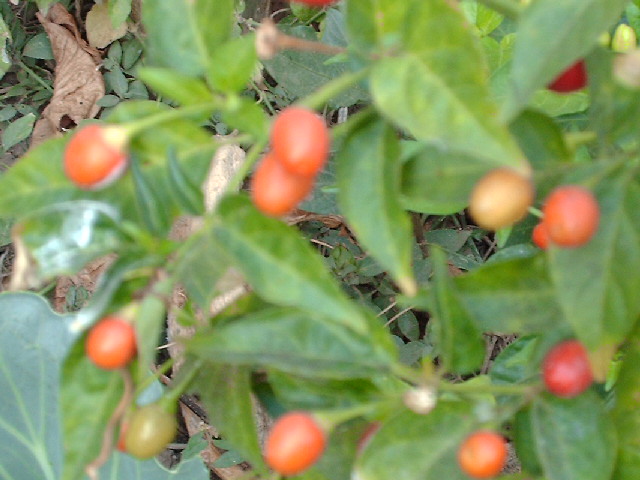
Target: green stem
(508,8)
(536,212)
(36,77)
(146,383)
(333,88)
(472,388)
(178,387)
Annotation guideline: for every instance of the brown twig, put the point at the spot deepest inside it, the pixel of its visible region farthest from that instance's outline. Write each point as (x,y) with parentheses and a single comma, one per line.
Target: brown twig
(107,439)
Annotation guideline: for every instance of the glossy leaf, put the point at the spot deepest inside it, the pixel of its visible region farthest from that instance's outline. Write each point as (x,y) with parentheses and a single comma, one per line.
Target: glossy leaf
(293,341)
(34,341)
(177,86)
(626,413)
(574,438)
(599,308)
(431,441)
(460,343)
(188,195)
(151,204)
(275,259)
(540,138)
(506,296)
(437,181)
(368,181)
(225,391)
(232,64)
(551,36)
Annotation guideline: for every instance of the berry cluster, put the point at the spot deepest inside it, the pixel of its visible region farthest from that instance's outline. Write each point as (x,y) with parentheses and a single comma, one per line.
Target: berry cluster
(300,147)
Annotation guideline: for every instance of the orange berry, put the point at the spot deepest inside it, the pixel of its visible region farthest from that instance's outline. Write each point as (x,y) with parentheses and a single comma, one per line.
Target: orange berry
(571,216)
(111,343)
(483,454)
(540,236)
(95,156)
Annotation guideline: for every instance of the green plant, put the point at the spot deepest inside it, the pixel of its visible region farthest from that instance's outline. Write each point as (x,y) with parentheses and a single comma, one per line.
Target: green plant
(572,79)
(96,156)
(624,39)
(500,198)
(317,3)
(296,441)
(566,370)
(571,216)
(150,429)
(300,141)
(275,190)
(111,343)
(483,454)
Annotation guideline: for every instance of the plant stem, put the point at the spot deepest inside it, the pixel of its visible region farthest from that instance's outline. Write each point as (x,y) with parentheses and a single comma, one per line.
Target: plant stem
(471,388)
(36,77)
(536,212)
(508,8)
(168,115)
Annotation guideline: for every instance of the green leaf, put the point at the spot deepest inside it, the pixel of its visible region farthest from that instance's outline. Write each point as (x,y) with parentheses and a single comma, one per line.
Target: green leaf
(151,204)
(524,442)
(423,101)
(430,441)
(368,183)
(174,85)
(119,11)
(189,195)
(232,64)
(5,37)
(279,264)
(626,413)
(437,181)
(301,73)
(293,341)
(374,24)
(459,341)
(551,36)
(35,340)
(540,138)
(225,391)
(246,115)
(574,438)
(592,285)
(116,82)
(38,46)
(89,396)
(18,130)
(506,296)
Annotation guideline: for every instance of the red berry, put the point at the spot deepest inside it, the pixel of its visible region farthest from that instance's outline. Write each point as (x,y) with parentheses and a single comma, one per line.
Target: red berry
(275,190)
(295,443)
(566,370)
(300,140)
(95,156)
(572,79)
(540,236)
(571,216)
(483,454)
(500,198)
(111,343)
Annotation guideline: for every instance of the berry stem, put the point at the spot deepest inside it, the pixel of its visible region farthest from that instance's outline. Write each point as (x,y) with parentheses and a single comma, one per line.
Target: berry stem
(536,212)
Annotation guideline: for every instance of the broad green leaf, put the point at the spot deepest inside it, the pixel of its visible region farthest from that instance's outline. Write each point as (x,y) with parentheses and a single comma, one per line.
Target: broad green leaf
(626,413)
(506,296)
(231,65)
(89,396)
(62,238)
(34,342)
(425,102)
(123,466)
(551,36)
(5,37)
(151,203)
(279,264)
(373,25)
(437,181)
(574,438)
(430,441)
(485,19)
(119,11)
(245,115)
(177,86)
(301,73)
(368,182)
(460,343)
(540,139)
(39,47)
(17,131)
(294,341)
(592,284)
(518,362)
(524,442)
(225,391)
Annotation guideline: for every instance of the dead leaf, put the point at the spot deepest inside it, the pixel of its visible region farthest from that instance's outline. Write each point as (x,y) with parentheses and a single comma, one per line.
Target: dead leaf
(100,30)
(78,83)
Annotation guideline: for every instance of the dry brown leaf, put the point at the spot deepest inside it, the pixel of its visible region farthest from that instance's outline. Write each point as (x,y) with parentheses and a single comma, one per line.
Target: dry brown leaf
(100,30)
(78,83)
